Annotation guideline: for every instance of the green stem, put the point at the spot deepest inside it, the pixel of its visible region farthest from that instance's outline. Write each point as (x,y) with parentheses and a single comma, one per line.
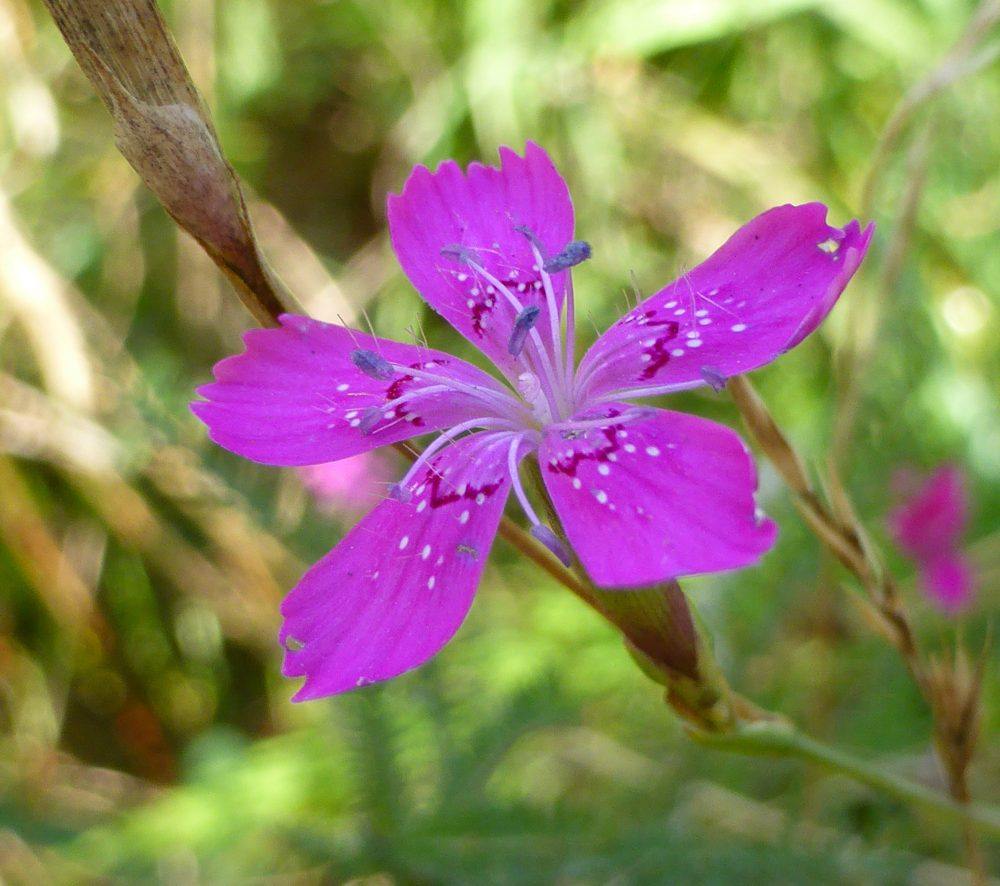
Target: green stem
(780,739)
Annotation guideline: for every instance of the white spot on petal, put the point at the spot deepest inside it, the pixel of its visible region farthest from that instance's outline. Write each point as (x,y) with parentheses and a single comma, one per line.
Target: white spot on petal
(404,541)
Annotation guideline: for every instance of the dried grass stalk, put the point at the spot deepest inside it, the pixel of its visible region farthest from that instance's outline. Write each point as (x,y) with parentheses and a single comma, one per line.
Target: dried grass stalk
(164,131)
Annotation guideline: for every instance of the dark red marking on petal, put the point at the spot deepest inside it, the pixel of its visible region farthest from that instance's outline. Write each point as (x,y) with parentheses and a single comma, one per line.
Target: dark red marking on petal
(658,353)
(486,301)
(398,388)
(568,464)
(439,497)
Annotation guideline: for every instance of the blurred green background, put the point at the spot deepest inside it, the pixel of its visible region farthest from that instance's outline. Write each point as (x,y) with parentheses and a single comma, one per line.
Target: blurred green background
(146,733)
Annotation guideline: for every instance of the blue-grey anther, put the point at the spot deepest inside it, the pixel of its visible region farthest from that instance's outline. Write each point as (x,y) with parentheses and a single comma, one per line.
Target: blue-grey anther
(574,252)
(524,229)
(523,324)
(372,364)
(552,541)
(369,418)
(458,252)
(715,379)
(398,492)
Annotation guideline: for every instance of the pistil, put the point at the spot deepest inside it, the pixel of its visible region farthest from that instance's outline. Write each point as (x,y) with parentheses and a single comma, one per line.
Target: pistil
(538,529)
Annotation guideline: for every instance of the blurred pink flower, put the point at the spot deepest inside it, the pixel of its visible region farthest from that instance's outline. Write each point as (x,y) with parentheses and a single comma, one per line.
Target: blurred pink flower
(928,528)
(351,484)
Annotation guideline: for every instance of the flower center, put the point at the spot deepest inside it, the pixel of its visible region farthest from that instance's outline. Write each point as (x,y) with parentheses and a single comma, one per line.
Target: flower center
(548,394)
(530,389)
(544,359)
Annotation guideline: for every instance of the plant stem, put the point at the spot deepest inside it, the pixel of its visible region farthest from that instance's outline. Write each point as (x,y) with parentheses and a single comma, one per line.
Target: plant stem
(780,739)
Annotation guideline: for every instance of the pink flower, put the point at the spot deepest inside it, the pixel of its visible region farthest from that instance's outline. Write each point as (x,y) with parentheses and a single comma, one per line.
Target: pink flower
(928,529)
(644,494)
(348,484)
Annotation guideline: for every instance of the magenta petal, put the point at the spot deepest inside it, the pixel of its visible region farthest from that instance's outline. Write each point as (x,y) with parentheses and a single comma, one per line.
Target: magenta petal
(398,586)
(294,397)
(480,211)
(933,520)
(759,295)
(948,580)
(650,500)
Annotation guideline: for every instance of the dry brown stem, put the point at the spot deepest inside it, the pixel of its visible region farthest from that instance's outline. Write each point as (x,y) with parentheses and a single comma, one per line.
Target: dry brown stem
(951,689)
(835,524)
(164,131)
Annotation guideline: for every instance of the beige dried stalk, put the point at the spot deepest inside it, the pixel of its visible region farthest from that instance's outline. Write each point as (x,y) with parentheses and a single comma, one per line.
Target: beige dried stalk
(165,132)
(952,689)
(835,524)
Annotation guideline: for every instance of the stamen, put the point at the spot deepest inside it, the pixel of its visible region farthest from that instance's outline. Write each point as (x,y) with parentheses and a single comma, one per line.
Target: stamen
(640,413)
(515,481)
(369,418)
(568,300)
(575,252)
(458,252)
(549,372)
(523,324)
(524,229)
(547,537)
(372,364)
(374,414)
(499,400)
(715,379)
(562,377)
(652,391)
